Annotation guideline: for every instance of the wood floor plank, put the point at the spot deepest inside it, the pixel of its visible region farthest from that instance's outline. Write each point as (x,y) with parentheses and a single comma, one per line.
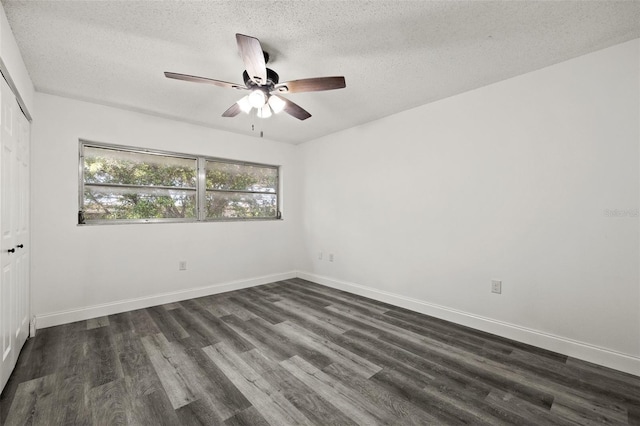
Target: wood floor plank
(195,326)
(321,318)
(492,341)
(268,401)
(167,324)
(335,353)
(51,349)
(153,408)
(220,331)
(465,375)
(26,407)
(533,386)
(261,293)
(466,341)
(108,403)
(602,373)
(313,406)
(590,411)
(168,364)
(61,397)
(263,312)
(214,392)
(296,352)
(214,305)
(97,322)
(121,323)
(522,410)
(235,309)
(303,298)
(435,405)
(136,365)
(260,362)
(347,400)
(143,324)
(456,359)
(247,417)
(339,297)
(215,386)
(148,402)
(278,336)
(633,414)
(402,410)
(101,361)
(586,382)
(555,374)
(72,395)
(19,376)
(247,331)
(198,413)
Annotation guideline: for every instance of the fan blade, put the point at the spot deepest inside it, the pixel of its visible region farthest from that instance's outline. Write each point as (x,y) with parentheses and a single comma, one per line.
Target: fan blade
(195,79)
(311,85)
(232,111)
(253,58)
(294,110)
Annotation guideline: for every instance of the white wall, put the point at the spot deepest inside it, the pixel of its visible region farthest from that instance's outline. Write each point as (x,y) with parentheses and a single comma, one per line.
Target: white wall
(83,271)
(511,182)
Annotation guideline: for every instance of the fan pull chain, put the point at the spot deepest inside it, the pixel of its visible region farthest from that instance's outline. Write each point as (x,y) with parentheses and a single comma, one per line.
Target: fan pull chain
(253,126)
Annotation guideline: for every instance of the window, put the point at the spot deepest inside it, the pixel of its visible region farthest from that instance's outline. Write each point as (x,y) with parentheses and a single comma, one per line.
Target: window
(119,184)
(128,185)
(240,190)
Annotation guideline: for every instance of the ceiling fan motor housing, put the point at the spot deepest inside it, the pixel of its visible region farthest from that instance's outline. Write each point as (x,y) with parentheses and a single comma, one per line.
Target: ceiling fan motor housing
(272,79)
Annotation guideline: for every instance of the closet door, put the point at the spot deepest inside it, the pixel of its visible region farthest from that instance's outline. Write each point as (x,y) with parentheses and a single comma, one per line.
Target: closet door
(7,231)
(14,231)
(21,326)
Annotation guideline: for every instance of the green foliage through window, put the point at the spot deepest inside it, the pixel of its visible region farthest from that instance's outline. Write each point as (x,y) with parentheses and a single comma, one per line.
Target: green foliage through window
(240,190)
(123,184)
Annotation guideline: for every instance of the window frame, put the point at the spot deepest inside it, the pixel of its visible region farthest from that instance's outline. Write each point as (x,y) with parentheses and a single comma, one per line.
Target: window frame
(200,188)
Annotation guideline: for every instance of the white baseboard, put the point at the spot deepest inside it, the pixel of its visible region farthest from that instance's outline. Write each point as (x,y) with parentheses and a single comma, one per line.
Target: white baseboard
(584,351)
(95,311)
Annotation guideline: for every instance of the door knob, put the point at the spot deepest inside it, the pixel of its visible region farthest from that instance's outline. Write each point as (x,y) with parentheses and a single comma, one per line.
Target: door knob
(20,245)
(11,250)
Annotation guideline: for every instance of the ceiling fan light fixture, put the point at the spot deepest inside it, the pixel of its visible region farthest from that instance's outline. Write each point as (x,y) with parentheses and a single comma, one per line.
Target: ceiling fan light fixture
(244,104)
(261,82)
(257,98)
(276,104)
(264,112)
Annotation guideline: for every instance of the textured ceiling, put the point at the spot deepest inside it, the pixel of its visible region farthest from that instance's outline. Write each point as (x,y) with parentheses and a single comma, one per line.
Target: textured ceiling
(395,55)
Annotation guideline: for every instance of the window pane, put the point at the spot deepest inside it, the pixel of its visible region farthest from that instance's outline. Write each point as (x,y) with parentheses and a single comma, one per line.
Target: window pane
(240,205)
(103,165)
(241,177)
(103,203)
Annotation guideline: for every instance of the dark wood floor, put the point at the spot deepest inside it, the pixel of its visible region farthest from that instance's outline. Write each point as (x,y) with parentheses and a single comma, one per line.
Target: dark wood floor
(295,352)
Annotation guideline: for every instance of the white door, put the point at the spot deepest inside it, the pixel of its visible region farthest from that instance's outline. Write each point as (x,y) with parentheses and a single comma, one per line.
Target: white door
(21,326)
(14,228)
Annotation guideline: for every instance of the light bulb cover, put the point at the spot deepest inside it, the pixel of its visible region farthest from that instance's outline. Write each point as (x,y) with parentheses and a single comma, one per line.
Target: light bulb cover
(257,98)
(276,103)
(244,104)
(264,112)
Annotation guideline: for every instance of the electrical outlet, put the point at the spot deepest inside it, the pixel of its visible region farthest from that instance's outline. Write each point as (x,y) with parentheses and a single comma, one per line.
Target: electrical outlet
(496,286)
(182,265)
(330,257)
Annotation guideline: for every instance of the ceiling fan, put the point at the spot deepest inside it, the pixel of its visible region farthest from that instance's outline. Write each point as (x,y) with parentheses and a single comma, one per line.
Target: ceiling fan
(263,84)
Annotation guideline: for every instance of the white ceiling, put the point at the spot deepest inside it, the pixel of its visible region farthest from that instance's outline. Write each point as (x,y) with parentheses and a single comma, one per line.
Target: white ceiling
(395,55)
